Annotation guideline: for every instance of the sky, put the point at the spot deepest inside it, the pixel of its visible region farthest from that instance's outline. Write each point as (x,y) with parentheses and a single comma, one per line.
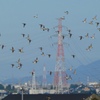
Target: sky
(14,13)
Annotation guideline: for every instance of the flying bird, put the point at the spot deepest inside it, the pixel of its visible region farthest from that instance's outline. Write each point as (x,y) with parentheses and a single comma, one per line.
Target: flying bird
(91,22)
(84,21)
(21,50)
(98,29)
(19,67)
(97,24)
(67,12)
(70,35)
(43,54)
(94,18)
(12,49)
(93,36)
(36,60)
(73,56)
(63,36)
(20,64)
(69,30)
(12,65)
(28,38)
(87,35)
(42,26)
(23,35)
(81,37)
(74,72)
(89,47)
(50,72)
(18,61)
(24,24)
(40,48)
(46,29)
(49,55)
(36,16)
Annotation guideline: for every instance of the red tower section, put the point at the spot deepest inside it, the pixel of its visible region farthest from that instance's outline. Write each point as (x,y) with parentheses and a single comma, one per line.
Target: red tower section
(60,69)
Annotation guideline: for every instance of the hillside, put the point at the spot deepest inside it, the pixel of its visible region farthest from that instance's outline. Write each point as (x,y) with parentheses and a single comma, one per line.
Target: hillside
(91,70)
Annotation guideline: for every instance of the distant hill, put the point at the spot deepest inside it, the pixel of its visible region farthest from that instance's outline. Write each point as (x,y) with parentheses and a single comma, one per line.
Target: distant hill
(83,72)
(90,72)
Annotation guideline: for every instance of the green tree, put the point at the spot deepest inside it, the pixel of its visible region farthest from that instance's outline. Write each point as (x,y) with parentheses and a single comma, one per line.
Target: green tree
(1,87)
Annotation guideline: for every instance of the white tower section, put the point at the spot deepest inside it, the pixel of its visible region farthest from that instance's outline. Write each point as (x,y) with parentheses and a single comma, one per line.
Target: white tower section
(44,78)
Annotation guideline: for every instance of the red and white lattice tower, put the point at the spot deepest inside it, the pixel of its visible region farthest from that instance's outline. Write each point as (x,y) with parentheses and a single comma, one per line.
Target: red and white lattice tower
(44,84)
(60,69)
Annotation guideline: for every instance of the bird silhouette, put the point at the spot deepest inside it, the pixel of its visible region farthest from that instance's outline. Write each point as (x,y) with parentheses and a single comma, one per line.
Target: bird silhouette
(95,17)
(12,65)
(93,36)
(87,35)
(84,21)
(50,72)
(81,37)
(32,73)
(74,72)
(20,64)
(18,61)
(42,26)
(19,67)
(12,49)
(66,12)
(40,48)
(36,60)
(98,29)
(89,47)
(42,54)
(46,29)
(91,22)
(28,38)
(70,35)
(2,46)
(73,56)
(36,16)
(69,30)
(23,35)
(24,24)
(63,36)
(21,50)
(49,55)
(97,24)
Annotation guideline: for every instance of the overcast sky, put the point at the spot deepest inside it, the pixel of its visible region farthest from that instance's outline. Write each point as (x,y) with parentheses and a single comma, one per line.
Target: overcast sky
(13,13)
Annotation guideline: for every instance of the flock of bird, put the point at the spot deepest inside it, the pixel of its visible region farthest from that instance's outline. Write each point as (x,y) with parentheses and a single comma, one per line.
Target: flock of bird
(95,22)
(20,50)
(44,28)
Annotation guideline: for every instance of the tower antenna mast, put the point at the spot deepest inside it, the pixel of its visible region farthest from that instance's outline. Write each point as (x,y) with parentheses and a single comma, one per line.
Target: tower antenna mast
(60,69)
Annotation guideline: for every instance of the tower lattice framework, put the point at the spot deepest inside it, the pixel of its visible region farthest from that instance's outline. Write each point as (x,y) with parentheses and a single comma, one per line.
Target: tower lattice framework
(60,69)
(44,77)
